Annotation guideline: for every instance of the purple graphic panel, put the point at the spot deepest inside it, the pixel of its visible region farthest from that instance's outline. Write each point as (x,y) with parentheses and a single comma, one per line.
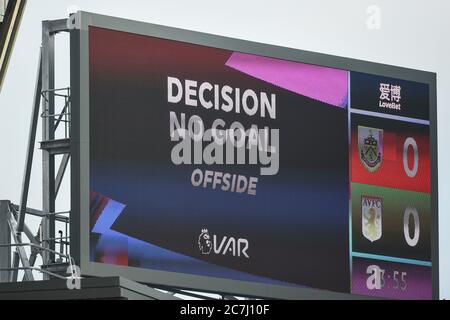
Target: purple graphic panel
(319,83)
(391,280)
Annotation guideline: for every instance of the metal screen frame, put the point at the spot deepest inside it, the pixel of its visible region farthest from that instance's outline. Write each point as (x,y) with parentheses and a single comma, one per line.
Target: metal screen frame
(79,25)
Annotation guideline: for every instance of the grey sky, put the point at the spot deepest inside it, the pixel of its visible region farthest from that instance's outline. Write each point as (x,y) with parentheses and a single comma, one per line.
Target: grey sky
(413,33)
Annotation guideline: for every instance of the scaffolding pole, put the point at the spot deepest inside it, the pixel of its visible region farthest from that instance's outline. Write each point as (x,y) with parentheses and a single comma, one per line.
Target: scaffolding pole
(5,238)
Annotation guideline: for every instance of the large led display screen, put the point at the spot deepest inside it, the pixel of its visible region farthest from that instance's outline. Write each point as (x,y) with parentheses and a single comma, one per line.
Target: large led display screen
(227,165)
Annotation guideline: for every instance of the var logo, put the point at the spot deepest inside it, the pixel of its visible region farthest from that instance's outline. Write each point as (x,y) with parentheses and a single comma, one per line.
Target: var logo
(222,246)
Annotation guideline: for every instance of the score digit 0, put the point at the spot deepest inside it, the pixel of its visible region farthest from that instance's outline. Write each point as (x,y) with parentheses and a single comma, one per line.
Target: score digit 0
(410,142)
(412,242)
(411,172)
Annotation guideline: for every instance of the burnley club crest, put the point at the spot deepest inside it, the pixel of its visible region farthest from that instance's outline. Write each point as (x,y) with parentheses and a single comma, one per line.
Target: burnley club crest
(371,211)
(370,144)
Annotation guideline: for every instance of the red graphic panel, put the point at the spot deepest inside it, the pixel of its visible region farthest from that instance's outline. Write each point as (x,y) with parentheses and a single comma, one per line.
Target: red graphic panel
(392,173)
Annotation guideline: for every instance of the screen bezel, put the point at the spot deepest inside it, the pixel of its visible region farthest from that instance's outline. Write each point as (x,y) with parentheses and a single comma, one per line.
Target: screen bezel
(79,24)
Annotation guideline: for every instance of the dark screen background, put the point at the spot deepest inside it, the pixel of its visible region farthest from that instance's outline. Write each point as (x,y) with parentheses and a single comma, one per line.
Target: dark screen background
(297,225)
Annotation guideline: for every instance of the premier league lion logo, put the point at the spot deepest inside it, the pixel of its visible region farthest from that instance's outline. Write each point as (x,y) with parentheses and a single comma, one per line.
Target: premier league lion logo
(204,242)
(370,144)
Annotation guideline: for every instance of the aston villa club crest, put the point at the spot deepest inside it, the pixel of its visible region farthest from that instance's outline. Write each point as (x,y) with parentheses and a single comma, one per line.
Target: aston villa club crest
(372,217)
(370,143)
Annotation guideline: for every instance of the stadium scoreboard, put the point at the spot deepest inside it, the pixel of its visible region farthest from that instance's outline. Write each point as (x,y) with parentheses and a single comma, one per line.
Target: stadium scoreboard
(210,163)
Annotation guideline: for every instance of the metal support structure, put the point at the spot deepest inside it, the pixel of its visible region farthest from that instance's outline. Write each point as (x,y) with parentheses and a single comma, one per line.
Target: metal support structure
(10,272)
(48,134)
(39,213)
(15,267)
(30,150)
(20,249)
(61,171)
(13,257)
(13,217)
(5,238)
(49,145)
(56,147)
